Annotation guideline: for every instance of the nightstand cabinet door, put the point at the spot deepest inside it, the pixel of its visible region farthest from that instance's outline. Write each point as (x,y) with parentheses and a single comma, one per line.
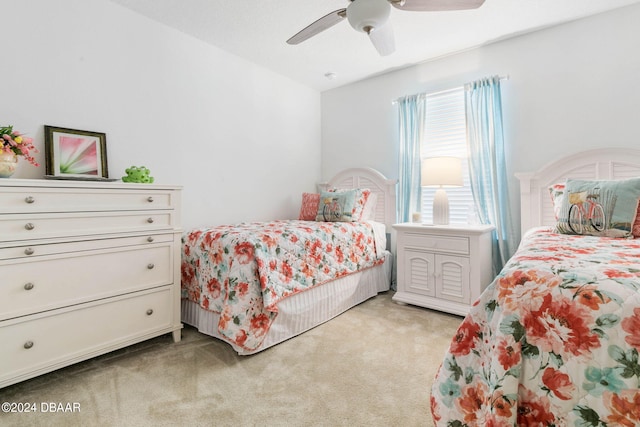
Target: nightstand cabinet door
(452,278)
(442,267)
(419,272)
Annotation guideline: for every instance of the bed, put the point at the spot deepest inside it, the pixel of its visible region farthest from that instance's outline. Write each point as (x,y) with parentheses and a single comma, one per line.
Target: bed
(253,286)
(554,339)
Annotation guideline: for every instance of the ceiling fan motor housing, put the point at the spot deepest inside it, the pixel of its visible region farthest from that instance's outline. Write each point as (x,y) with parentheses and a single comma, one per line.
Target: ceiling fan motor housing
(367,15)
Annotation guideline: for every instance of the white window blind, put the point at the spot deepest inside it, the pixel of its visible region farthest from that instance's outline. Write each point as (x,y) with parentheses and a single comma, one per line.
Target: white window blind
(446,135)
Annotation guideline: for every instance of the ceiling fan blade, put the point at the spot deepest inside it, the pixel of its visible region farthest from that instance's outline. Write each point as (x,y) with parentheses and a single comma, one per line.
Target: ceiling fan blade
(383,39)
(435,5)
(327,21)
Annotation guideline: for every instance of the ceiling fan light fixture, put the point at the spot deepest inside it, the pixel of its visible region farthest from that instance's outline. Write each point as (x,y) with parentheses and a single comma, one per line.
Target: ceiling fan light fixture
(367,15)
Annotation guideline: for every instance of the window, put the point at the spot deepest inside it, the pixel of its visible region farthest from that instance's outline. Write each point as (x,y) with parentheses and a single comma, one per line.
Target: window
(445,135)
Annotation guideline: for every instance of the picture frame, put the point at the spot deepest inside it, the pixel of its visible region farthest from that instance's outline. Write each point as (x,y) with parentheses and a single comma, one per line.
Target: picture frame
(75,154)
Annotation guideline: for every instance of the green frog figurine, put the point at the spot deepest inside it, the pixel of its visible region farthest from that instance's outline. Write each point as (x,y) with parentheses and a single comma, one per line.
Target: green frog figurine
(138,174)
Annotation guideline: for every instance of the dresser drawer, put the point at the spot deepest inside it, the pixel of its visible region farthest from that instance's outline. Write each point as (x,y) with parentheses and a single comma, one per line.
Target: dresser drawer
(42,226)
(31,285)
(57,338)
(37,249)
(458,245)
(42,200)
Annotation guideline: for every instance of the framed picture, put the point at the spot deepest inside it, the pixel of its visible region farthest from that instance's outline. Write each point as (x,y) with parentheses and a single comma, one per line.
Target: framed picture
(75,154)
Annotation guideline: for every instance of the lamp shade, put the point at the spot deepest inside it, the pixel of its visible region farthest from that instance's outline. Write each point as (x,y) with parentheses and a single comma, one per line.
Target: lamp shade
(442,172)
(367,15)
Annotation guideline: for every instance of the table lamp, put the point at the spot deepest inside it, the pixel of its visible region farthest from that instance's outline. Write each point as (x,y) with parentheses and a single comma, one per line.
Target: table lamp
(441,172)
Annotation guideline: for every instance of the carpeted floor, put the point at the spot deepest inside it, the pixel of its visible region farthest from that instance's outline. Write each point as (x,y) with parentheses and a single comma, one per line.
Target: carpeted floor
(371,366)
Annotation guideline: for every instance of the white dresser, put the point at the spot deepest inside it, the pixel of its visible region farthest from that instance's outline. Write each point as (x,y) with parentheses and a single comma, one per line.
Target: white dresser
(443,267)
(85,268)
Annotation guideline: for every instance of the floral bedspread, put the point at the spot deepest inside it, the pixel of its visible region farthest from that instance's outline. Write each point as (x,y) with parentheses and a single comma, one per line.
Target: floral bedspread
(553,341)
(243,271)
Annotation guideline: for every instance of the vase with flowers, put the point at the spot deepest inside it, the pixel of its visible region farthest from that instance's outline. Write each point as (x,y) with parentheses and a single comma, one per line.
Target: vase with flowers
(14,144)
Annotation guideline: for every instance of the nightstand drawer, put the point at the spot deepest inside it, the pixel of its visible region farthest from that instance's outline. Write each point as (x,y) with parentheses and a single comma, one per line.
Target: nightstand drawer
(458,245)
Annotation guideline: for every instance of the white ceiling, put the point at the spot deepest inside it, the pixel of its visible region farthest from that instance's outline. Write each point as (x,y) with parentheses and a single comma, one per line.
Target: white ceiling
(257,30)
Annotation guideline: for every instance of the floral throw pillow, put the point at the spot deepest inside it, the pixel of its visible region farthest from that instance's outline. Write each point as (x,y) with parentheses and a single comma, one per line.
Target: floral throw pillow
(636,225)
(557,197)
(309,207)
(599,208)
(336,206)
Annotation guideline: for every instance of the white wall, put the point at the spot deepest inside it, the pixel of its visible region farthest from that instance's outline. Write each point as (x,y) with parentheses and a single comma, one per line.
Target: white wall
(571,87)
(232,133)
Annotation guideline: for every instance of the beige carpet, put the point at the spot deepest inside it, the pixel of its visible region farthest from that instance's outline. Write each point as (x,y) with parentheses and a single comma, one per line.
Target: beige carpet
(371,366)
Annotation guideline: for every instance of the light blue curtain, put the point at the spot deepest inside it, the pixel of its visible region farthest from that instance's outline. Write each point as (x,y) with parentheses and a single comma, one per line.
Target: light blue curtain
(411,111)
(487,168)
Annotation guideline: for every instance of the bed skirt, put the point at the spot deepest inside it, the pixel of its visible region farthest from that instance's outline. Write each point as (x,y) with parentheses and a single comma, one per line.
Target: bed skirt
(305,310)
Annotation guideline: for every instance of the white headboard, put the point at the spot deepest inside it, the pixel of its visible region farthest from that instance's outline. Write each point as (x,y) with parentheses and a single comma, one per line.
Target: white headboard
(383,187)
(607,163)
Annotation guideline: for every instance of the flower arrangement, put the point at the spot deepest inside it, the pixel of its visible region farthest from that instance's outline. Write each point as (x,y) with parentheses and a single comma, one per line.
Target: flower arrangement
(14,141)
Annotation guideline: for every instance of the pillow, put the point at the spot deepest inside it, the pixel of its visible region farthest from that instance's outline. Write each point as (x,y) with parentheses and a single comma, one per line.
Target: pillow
(636,225)
(599,208)
(369,211)
(361,195)
(557,197)
(309,207)
(336,206)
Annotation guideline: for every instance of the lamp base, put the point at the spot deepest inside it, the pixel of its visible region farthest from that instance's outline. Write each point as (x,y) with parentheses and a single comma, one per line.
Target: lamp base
(440,208)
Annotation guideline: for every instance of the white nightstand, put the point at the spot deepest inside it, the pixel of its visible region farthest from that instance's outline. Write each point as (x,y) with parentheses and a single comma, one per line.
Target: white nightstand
(443,267)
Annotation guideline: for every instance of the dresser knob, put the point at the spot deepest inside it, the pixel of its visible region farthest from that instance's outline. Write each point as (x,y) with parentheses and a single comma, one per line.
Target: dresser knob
(28,286)
(29,251)
(150,220)
(150,239)
(29,199)
(149,312)
(150,266)
(150,199)
(28,345)
(29,226)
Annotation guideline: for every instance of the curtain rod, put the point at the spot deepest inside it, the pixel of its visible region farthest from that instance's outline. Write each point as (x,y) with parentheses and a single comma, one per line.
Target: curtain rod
(395,101)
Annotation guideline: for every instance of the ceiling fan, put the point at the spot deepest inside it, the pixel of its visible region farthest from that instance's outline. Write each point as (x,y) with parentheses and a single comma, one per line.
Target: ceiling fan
(372,16)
